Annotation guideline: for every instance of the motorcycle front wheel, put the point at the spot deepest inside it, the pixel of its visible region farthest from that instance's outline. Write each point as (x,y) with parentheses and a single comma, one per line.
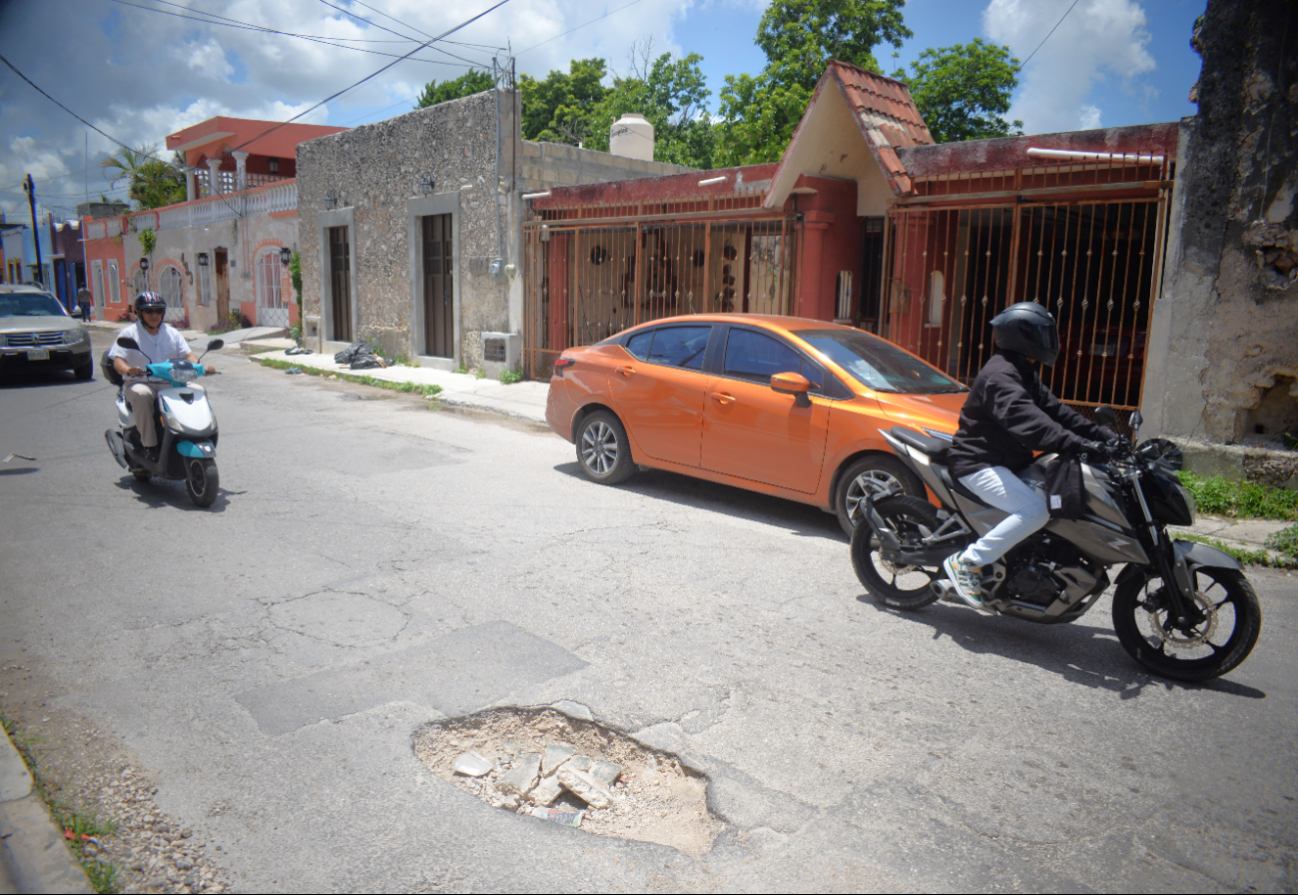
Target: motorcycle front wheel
(893,585)
(1225,632)
(201,481)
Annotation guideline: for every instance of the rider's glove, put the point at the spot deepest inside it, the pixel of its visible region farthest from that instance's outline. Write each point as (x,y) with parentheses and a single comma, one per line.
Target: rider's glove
(1096,449)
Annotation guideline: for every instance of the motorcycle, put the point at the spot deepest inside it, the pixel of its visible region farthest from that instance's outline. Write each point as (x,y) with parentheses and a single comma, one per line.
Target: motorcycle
(1182,609)
(185,424)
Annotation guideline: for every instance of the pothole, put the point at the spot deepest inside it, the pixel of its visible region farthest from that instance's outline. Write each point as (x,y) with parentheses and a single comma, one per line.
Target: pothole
(546,765)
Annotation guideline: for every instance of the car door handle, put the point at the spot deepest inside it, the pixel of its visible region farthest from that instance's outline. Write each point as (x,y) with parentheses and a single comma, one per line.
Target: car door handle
(626,371)
(723,398)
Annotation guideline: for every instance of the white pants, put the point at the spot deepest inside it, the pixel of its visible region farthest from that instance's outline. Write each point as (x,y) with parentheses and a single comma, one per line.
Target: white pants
(143,397)
(1002,489)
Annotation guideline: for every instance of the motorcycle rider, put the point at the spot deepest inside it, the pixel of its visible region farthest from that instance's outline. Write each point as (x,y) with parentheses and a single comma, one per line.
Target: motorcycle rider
(1010,413)
(158,341)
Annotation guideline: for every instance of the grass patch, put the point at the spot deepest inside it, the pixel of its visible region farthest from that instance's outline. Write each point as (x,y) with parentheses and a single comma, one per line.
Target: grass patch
(418,388)
(1244,555)
(259,350)
(1285,541)
(509,377)
(1218,496)
(104,876)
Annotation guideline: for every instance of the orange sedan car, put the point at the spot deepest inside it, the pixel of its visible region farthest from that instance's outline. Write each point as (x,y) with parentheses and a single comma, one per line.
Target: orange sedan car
(780,405)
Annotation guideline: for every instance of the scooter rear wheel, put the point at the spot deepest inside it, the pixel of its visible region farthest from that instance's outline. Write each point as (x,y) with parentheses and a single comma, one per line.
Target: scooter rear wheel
(899,587)
(201,481)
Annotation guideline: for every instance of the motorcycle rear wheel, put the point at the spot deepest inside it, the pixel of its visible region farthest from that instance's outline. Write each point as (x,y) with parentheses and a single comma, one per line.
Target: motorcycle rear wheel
(898,587)
(201,481)
(1207,651)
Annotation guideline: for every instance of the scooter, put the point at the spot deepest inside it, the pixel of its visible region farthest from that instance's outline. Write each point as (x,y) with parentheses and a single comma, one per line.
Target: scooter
(184,421)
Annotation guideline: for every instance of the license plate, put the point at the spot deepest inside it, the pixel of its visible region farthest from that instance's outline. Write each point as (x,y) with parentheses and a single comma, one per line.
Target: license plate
(38,354)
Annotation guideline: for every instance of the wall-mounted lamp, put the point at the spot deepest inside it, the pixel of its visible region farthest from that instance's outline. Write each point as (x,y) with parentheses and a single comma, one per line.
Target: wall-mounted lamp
(428,183)
(331,200)
(285,256)
(144,264)
(202,259)
(712,180)
(540,195)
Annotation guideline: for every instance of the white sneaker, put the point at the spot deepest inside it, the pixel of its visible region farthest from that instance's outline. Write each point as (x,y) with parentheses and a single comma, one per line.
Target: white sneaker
(965,580)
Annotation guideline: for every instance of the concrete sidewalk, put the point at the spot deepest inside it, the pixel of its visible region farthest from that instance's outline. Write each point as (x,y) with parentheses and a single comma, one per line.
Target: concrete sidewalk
(1242,534)
(522,400)
(33,855)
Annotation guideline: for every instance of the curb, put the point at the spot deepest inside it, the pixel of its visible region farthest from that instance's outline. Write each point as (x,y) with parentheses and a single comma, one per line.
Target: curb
(33,855)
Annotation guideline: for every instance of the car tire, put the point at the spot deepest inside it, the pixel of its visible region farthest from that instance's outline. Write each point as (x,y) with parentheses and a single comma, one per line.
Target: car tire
(876,472)
(603,452)
(86,371)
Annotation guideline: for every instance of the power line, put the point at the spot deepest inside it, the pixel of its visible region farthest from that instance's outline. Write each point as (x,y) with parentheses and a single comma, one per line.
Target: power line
(246,26)
(425,33)
(569,31)
(390,31)
(1047,37)
(375,74)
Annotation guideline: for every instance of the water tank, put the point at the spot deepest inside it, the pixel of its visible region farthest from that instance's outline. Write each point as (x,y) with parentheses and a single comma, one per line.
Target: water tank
(631,136)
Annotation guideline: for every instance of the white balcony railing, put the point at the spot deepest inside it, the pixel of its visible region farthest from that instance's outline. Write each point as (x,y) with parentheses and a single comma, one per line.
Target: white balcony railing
(267,200)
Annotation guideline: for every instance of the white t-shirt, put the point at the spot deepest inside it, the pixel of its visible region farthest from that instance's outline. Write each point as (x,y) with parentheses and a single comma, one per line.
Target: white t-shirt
(167,344)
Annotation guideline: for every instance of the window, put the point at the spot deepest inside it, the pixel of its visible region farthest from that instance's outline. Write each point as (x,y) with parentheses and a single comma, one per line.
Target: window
(936,297)
(878,364)
(638,345)
(680,346)
(268,280)
(204,284)
(758,357)
(171,286)
(844,295)
(97,282)
(114,282)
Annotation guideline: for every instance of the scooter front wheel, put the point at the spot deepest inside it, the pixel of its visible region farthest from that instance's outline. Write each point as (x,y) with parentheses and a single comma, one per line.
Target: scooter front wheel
(201,481)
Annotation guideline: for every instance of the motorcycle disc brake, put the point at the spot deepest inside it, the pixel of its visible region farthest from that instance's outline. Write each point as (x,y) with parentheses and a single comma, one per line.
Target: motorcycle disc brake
(1164,630)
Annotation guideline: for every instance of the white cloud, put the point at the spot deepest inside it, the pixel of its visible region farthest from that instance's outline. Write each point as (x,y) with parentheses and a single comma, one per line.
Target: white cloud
(1099,39)
(141,75)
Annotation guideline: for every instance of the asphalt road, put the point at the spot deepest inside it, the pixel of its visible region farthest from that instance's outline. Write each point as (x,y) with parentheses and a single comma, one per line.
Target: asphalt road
(266,662)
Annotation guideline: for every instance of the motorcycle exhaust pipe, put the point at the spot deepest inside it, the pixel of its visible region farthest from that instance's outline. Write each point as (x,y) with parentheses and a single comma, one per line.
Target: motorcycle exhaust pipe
(945,591)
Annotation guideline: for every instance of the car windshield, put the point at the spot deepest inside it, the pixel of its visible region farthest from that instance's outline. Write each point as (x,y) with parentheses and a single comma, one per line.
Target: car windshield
(30,304)
(879,364)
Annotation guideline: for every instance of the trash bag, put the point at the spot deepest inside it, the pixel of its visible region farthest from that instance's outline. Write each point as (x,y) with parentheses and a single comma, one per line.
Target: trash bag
(298,349)
(359,356)
(348,354)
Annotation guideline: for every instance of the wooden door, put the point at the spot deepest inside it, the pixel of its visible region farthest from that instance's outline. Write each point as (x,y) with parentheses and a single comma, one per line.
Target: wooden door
(340,284)
(221,261)
(439,286)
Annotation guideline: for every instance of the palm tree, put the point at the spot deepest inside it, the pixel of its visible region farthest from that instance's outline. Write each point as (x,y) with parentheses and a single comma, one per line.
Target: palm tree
(154,182)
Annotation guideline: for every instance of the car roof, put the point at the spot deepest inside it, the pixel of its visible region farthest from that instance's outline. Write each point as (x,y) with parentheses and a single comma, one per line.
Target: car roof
(771,321)
(23,287)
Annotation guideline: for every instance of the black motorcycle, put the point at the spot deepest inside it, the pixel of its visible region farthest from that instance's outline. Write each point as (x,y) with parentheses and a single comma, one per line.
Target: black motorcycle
(1182,609)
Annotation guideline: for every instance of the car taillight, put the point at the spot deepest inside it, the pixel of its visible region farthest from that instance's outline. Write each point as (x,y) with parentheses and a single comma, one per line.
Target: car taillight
(562,364)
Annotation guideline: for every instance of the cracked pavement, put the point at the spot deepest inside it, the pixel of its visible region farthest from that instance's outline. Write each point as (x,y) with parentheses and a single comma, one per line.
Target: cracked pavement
(372,565)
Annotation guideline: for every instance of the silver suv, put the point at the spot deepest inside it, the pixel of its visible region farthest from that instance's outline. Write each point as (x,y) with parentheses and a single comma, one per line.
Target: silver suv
(37,333)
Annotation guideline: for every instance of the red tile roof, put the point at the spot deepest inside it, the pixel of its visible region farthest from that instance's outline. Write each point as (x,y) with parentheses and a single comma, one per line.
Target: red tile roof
(883,104)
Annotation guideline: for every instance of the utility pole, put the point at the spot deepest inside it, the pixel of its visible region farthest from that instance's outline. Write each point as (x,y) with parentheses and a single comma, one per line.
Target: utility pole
(36,233)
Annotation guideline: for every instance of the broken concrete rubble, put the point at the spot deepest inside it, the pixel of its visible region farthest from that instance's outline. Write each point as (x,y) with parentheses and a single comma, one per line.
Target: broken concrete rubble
(520,779)
(585,787)
(555,756)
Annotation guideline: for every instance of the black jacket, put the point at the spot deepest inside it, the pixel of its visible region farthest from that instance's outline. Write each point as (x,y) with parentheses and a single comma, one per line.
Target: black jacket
(1010,414)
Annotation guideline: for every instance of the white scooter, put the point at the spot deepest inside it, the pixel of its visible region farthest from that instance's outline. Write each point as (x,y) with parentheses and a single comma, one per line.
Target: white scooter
(184,421)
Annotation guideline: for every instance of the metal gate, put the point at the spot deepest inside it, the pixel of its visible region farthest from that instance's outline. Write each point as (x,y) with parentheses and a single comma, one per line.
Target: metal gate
(1094,264)
(585,280)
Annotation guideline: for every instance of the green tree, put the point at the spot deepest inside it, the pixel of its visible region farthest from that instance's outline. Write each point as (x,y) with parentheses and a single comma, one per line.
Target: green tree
(799,38)
(153,181)
(471,82)
(672,95)
(561,108)
(962,91)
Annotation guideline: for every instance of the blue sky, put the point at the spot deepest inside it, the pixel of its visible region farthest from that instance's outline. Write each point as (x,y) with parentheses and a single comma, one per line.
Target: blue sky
(141,74)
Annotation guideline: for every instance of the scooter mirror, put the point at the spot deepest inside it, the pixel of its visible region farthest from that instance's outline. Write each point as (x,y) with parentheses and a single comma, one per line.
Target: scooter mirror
(1106,416)
(128,342)
(215,345)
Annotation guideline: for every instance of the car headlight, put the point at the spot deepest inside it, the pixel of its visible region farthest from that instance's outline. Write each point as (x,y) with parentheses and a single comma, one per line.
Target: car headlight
(2,340)
(74,336)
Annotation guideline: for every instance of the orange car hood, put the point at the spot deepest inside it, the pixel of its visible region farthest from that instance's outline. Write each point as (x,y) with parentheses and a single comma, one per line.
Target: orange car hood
(938,412)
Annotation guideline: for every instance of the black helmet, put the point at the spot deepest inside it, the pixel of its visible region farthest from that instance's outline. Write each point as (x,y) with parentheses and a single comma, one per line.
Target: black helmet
(151,300)
(1028,329)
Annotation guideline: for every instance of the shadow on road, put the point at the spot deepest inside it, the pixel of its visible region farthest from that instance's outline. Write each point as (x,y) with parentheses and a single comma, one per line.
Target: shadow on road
(22,470)
(1077,653)
(158,494)
(38,378)
(801,519)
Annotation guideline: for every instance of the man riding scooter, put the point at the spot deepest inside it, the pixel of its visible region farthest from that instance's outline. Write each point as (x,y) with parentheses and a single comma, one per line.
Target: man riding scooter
(158,342)
(1010,414)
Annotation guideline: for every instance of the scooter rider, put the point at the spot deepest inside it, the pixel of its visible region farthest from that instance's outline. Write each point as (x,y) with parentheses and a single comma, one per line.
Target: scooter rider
(1010,413)
(158,342)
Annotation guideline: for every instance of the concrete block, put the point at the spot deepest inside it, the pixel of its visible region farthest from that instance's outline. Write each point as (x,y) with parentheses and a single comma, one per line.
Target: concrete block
(585,787)
(554,757)
(520,779)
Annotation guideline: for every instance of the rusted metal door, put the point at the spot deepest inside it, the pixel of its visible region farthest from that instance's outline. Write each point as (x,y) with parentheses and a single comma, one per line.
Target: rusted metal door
(340,284)
(439,286)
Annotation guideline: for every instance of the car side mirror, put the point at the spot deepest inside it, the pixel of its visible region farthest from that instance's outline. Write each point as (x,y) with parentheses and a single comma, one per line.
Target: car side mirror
(1106,416)
(128,342)
(792,384)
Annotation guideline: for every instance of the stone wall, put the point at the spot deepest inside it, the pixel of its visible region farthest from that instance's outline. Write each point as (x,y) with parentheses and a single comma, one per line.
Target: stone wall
(1223,365)
(374,174)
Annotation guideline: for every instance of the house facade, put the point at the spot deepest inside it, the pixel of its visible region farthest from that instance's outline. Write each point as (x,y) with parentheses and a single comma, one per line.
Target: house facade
(410,229)
(865,221)
(219,256)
